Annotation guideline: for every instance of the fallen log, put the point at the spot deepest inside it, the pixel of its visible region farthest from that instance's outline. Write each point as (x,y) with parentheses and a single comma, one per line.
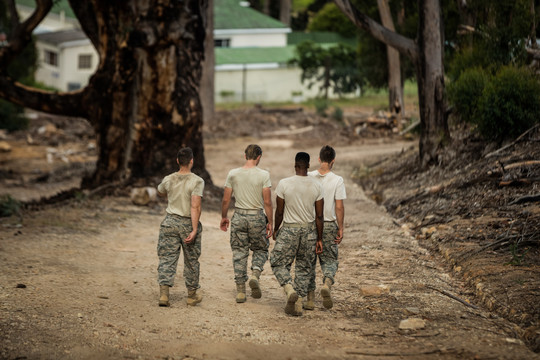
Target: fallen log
(512,143)
(524,199)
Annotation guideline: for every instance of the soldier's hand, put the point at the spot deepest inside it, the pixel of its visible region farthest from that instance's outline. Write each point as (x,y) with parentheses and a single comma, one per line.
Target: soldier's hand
(318,247)
(339,236)
(191,237)
(224,224)
(268,231)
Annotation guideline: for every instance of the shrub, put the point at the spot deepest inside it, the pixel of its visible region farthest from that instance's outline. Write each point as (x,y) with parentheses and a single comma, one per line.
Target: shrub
(466,91)
(9,206)
(12,117)
(320,107)
(510,104)
(337,114)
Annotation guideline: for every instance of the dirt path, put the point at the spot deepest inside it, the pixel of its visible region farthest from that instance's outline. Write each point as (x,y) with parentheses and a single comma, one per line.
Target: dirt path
(79,281)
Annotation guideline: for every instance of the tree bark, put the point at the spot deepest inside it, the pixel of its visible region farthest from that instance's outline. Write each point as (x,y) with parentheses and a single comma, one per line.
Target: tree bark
(208,72)
(285,12)
(427,56)
(395,86)
(143,101)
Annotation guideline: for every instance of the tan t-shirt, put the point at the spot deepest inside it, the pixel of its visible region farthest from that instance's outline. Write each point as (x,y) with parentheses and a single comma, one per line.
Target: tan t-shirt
(179,189)
(334,189)
(300,194)
(247,185)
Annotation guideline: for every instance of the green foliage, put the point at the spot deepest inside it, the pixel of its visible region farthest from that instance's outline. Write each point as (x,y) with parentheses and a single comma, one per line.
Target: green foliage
(321,105)
(510,104)
(12,117)
(337,114)
(330,18)
(465,92)
(517,256)
(9,206)
(334,67)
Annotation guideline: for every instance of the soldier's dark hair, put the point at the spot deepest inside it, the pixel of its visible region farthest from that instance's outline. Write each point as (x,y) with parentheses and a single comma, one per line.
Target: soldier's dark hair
(184,156)
(327,154)
(253,151)
(302,159)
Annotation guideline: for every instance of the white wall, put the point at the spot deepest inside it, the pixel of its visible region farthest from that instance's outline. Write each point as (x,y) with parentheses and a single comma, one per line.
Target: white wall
(67,70)
(259,40)
(262,85)
(52,22)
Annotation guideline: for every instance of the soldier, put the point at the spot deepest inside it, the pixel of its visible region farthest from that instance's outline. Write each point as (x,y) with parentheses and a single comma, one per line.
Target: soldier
(181,228)
(251,224)
(299,204)
(334,214)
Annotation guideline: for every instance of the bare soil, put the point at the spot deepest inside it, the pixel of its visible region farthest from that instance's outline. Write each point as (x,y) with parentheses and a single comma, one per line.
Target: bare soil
(78,278)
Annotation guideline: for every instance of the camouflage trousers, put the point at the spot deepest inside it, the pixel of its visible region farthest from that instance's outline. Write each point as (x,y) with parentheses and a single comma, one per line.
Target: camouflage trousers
(248,232)
(294,243)
(172,232)
(329,257)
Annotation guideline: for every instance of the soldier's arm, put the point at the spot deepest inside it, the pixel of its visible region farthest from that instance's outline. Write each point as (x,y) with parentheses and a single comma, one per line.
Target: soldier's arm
(319,222)
(267,198)
(340,215)
(280,206)
(195,216)
(224,223)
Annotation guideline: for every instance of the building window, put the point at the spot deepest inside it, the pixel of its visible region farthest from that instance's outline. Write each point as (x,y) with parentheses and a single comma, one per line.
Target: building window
(51,58)
(222,42)
(73,86)
(85,61)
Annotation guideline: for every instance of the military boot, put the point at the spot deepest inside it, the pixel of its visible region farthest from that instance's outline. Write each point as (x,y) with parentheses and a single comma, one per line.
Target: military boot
(193,298)
(298,306)
(164,295)
(325,293)
(292,296)
(254,284)
(309,301)
(240,293)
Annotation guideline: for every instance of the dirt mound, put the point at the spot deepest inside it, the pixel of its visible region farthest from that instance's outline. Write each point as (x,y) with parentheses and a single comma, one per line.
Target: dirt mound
(481,210)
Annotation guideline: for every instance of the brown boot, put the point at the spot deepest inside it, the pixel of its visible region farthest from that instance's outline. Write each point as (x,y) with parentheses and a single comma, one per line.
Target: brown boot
(164,295)
(298,307)
(325,293)
(292,297)
(193,298)
(240,293)
(254,284)
(309,301)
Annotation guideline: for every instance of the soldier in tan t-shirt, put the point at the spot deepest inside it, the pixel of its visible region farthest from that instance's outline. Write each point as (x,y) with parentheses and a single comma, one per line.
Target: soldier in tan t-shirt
(181,228)
(251,224)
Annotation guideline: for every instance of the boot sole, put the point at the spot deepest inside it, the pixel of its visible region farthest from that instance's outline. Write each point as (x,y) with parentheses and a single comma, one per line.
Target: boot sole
(255,289)
(243,300)
(291,300)
(327,298)
(164,304)
(193,302)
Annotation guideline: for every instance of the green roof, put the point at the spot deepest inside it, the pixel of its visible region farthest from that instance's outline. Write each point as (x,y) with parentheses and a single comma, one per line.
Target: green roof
(59,5)
(254,55)
(229,14)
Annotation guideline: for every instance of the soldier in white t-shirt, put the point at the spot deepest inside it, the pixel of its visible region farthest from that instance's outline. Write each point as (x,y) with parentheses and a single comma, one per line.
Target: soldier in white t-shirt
(334,214)
(299,205)
(251,224)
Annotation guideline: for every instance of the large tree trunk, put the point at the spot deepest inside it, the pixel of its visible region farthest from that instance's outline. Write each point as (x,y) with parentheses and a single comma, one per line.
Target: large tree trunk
(395,86)
(208,72)
(427,55)
(143,101)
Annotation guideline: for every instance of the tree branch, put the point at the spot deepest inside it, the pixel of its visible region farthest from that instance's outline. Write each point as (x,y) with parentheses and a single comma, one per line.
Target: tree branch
(69,104)
(22,34)
(404,45)
(86,14)
(13,14)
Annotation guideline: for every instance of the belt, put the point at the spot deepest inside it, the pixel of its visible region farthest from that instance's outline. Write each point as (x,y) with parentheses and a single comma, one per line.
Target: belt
(296,225)
(247,211)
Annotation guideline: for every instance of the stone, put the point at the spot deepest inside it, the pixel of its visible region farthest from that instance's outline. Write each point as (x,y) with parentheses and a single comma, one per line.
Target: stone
(374,290)
(412,324)
(143,196)
(4,146)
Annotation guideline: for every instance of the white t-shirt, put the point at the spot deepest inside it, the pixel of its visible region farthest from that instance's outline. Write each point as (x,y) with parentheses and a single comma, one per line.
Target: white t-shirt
(247,185)
(179,189)
(334,189)
(300,194)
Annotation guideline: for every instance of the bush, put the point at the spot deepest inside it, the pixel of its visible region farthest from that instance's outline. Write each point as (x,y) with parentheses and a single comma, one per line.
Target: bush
(12,117)
(9,206)
(510,104)
(466,91)
(337,114)
(320,107)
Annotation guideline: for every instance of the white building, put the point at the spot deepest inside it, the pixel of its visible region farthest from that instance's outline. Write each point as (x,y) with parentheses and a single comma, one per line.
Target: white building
(251,54)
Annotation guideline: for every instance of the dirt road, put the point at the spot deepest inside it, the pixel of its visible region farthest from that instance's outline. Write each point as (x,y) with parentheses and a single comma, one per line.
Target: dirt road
(79,281)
